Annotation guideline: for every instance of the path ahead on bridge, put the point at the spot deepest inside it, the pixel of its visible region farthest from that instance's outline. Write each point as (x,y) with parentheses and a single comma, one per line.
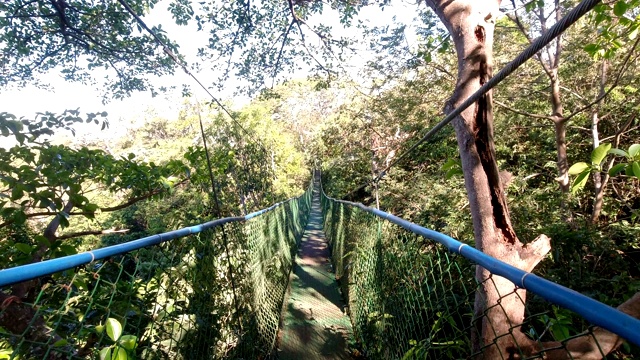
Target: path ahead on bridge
(314,323)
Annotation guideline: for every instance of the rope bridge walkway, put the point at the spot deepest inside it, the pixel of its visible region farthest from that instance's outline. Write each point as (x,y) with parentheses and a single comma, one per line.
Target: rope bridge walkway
(409,294)
(314,325)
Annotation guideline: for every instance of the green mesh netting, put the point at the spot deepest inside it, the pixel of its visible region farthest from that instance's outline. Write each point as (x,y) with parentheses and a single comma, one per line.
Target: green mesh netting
(410,298)
(173,301)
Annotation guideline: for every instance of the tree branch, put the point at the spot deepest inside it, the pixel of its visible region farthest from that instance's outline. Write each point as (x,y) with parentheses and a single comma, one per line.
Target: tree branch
(91,232)
(514,17)
(102,209)
(613,86)
(299,21)
(284,42)
(617,136)
(535,116)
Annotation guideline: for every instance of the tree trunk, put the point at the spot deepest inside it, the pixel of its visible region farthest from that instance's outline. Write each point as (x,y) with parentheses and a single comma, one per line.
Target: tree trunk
(550,62)
(499,305)
(499,308)
(598,184)
(561,132)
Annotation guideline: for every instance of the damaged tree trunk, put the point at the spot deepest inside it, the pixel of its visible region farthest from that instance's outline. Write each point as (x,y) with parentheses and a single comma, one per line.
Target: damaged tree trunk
(499,307)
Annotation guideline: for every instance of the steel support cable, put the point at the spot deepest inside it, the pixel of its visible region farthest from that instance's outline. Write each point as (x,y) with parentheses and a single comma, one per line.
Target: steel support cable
(213,184)
(225,239)
(576,13)
(595,312)
(184,67)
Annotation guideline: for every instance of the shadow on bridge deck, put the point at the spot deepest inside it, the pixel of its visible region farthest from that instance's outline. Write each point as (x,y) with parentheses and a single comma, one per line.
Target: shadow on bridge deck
(314,325)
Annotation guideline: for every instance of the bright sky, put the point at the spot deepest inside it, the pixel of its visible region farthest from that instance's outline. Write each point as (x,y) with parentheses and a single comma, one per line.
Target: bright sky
(64,95)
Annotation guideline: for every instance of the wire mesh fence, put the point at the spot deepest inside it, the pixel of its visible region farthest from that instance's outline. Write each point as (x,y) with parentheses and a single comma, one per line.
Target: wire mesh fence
(411,297)
(172,300)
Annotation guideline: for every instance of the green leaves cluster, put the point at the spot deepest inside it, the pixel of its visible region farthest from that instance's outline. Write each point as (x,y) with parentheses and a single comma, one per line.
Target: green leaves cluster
(124,345)
(40,179)
(582,169)
(452,167)
(632,165)
(615,25)
(77,38)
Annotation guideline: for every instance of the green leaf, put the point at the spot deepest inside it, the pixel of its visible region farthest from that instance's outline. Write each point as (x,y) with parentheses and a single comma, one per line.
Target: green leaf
(636,169)
(578,168)
(63,217)
(120,354)
(25,248)
(128,342)
(618,152)
(16,193)
(19,217)
(43,240)
(452,172)
(580,182)
(61,342)
(91,207)
(68,249)
(114,329)
(449,164)
(616,169)
(105,353)
(620,8)
(560,332)
(598,154)
(634,150)
(591,49)
(629,170)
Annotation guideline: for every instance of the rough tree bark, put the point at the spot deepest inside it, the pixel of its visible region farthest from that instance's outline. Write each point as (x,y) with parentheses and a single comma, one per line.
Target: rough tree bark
(499,305)
(471,25)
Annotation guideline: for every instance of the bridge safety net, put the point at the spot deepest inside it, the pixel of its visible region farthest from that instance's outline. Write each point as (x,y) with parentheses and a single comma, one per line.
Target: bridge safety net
(412,293)
(214,290)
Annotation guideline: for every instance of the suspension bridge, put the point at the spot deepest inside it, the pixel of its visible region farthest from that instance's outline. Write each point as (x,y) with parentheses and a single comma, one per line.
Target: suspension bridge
(312,278)
(309,278)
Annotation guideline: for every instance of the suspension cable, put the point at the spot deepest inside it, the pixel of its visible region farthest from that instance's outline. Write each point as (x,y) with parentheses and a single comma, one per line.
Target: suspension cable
(576,13)
(225,240)
(214,188)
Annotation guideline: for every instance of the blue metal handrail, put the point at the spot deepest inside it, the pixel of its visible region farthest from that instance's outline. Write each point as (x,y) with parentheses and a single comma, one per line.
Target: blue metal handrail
(595,312)
(28,272)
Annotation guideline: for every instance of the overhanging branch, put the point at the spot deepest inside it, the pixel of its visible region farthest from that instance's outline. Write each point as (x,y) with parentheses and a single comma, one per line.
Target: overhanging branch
(102,209)
(91,232)
(524,113)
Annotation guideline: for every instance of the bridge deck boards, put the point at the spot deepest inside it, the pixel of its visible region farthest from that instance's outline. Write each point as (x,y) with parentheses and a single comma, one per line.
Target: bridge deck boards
(314,324)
